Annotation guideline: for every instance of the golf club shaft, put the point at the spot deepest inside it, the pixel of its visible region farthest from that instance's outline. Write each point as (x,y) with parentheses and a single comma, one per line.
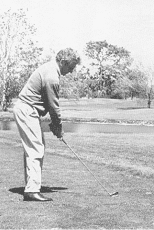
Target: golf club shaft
(112,193)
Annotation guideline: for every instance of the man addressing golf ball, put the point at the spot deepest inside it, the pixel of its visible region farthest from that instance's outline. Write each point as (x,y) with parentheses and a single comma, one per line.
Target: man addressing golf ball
(39,96)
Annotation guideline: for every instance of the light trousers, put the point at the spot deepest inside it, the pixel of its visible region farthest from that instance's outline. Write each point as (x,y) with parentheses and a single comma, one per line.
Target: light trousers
(28,122)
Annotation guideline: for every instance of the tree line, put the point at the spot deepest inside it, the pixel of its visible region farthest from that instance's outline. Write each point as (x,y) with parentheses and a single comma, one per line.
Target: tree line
(109,71)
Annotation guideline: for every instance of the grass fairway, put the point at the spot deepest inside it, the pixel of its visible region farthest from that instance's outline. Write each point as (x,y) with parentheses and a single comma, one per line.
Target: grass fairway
(123,162)
(102,110)
(107,110)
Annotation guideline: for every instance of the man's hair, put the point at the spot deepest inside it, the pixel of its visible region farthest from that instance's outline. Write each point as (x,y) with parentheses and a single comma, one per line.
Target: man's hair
(69,55)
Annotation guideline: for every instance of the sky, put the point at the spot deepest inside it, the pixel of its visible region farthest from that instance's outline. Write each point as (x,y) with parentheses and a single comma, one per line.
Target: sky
(73,23)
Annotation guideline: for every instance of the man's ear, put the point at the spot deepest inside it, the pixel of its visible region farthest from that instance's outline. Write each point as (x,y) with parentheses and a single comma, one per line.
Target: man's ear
(62,62)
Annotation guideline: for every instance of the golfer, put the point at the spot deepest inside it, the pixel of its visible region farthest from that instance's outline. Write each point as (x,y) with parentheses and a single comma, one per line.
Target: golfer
(39,96)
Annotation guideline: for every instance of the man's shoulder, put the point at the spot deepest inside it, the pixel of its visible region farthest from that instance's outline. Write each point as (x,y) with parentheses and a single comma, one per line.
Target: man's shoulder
(47,65)
(49,72)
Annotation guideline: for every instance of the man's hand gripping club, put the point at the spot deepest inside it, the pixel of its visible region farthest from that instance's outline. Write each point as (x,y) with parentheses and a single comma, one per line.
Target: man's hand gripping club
(57,130)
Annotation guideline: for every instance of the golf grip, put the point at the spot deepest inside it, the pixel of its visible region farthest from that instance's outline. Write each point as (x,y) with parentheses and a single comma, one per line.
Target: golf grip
(112,193)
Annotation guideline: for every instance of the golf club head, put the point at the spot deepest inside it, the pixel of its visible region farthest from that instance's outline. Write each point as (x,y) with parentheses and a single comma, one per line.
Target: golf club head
(114,194)
(111,194)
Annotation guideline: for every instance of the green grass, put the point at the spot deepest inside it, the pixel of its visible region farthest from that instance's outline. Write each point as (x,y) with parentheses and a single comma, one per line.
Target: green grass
(121,161)
(107,110)
(102,110)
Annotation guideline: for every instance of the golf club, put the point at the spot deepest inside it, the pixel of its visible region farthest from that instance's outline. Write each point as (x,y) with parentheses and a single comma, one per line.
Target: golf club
(110,193)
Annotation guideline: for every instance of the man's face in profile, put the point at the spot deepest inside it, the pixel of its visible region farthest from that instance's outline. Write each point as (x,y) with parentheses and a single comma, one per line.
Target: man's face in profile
(67,67)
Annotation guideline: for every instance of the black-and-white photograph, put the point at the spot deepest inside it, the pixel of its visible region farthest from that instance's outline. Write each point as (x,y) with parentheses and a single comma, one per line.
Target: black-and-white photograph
(77,114)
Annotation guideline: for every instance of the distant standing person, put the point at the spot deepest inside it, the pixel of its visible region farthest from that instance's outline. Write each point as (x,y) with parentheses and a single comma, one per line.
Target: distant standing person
(39,96)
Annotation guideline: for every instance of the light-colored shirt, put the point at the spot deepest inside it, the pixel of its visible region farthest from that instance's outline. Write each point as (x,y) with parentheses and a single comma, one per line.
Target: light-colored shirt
(42,91)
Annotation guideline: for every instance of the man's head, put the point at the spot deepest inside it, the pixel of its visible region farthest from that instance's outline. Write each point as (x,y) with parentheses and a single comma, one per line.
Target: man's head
(67,60)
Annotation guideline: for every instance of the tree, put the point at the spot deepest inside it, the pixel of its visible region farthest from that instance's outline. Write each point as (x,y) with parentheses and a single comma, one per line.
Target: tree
(112,62)
(68,86)
(19,53)
(150,85)
(102,52)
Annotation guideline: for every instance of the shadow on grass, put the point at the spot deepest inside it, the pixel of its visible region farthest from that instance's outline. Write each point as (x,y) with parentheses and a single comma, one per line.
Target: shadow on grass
(131,108)
(44,189)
